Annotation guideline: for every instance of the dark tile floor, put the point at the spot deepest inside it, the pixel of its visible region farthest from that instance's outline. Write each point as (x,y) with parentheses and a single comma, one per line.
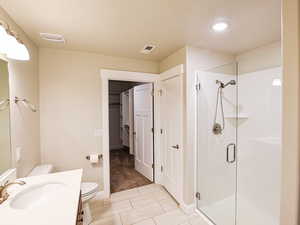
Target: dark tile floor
(123,176)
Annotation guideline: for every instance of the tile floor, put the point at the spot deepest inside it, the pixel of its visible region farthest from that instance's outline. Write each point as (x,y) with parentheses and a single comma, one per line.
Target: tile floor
(146,205)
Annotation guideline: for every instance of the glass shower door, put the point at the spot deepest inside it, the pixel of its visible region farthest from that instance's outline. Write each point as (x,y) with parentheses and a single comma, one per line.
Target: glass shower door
(216,144)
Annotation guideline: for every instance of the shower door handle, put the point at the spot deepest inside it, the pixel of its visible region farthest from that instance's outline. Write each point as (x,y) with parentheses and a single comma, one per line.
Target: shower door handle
(227,153)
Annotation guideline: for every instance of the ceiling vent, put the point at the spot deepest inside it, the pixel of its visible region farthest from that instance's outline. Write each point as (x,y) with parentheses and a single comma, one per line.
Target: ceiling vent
(52,37)
(147,49)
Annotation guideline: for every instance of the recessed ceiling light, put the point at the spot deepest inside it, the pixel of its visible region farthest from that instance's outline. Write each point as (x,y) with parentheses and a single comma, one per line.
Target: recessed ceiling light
(220,26)
(52,37)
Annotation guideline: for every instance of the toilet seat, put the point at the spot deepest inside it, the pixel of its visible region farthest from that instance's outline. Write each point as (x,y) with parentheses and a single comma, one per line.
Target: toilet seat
(88,188)
(88,191)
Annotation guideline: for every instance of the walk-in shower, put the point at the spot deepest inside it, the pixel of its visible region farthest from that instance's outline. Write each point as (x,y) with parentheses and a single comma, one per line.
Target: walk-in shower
(238,161)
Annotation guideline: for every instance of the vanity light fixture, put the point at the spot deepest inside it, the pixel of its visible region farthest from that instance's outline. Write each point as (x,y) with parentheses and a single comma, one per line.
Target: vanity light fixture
(10,45)
(16,49)
(220,26)
(3,39)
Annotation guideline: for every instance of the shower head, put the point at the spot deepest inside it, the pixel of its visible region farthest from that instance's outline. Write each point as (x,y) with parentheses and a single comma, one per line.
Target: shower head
(232,82)
(222,85)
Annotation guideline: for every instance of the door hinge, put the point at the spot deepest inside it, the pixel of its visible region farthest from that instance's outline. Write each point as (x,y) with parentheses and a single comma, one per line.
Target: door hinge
(198,196)
(161,131)
(198,86)
(152,93)
(161,168)
(152,130)
(152,165)
(160,92)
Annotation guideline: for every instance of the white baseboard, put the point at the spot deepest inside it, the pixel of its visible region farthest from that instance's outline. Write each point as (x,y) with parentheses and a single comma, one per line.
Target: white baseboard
(188,209)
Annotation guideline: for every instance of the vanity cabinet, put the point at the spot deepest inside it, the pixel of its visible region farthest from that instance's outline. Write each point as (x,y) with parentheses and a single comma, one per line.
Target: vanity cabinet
(79,212)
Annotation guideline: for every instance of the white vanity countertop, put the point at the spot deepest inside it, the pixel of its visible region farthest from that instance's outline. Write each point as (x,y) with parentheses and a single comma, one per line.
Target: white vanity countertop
(56,206)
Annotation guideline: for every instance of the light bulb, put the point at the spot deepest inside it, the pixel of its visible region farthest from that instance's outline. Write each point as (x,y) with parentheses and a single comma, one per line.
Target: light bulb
(3,40)
(17,50)
(218,27)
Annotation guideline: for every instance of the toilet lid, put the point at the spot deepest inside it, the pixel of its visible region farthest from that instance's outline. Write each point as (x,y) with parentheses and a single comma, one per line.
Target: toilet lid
(88,188)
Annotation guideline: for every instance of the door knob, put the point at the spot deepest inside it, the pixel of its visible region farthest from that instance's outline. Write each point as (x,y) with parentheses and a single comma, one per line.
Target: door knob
(175,146)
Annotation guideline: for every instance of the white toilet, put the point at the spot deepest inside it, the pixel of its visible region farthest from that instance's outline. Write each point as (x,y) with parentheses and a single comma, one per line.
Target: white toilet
(88,190)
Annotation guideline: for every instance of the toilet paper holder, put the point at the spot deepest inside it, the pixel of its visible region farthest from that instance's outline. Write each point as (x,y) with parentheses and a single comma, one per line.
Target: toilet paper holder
(99,157)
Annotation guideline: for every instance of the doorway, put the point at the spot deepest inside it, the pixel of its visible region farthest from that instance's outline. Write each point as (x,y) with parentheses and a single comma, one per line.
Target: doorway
(130,134)
(163,84)
(115,75)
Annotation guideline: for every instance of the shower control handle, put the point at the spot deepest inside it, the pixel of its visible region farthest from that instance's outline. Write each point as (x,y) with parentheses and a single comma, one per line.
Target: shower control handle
(227,153)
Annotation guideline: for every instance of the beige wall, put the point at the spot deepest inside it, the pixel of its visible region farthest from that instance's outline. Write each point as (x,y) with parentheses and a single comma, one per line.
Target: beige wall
(70,104)
(291,91)
(177,58)
(260,58)
(24,123)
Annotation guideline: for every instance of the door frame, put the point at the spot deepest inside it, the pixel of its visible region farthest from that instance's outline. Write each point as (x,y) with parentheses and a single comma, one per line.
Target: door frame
(105,76)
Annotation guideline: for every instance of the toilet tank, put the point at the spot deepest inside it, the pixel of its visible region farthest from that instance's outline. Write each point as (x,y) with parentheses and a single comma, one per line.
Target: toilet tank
(41,170)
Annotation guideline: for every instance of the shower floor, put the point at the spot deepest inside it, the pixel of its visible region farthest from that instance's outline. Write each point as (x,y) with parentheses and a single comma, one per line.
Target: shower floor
(223,213)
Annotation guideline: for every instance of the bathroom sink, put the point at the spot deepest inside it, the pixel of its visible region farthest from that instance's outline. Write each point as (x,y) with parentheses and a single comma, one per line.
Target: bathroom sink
(37,195)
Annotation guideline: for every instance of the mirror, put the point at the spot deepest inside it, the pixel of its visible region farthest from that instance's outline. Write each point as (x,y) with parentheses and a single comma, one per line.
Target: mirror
(5,145)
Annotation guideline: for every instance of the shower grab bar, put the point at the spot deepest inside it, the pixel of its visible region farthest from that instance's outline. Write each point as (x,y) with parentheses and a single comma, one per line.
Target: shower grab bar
(227,153)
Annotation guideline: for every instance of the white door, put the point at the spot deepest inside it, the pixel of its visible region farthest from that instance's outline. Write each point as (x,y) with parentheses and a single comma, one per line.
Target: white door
(131,122)
(171,121)
(125,118)
(143,128)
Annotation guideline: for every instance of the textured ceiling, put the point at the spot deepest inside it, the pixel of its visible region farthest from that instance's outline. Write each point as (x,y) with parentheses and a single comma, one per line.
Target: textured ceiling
(122,28)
